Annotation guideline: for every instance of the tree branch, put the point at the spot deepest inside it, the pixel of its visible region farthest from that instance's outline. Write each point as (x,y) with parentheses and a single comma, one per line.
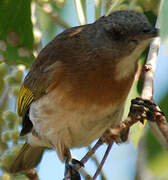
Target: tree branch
(147,91)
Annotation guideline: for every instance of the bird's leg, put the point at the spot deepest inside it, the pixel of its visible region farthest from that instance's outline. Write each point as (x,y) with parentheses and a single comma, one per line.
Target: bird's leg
(71,173)
(102,161)
(115,135)
(92,151)
(71,168)
(140,109)
(76,163)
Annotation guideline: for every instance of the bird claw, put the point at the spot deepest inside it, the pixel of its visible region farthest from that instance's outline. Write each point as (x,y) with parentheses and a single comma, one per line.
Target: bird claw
(71,170)
(77,163)
(71,173)
(146,109)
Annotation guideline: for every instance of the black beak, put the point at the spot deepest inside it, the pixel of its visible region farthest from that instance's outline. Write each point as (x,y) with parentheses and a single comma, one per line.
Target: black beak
(154,32)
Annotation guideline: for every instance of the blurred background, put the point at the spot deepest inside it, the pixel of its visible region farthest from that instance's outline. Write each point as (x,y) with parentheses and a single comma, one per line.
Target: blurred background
(26,26)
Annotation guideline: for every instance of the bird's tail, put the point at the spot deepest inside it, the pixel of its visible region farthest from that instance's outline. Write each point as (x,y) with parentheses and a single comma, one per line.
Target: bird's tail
(28,157)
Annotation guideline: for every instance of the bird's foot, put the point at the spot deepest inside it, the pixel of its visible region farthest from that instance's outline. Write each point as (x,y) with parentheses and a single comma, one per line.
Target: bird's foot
(71,169)
(146,108)
(115,135)
(76,163)
(140,109)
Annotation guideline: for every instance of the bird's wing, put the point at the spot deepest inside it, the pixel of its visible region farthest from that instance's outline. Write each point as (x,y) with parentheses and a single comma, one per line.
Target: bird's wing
(24,100)
(42,74)
(46,72)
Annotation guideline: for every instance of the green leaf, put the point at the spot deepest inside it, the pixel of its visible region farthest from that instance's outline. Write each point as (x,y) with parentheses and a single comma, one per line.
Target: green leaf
(16,32)
(164,21)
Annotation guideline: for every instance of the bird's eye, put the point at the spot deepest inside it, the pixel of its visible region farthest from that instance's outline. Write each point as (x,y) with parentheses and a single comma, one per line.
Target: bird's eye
(147,30)
(134,41)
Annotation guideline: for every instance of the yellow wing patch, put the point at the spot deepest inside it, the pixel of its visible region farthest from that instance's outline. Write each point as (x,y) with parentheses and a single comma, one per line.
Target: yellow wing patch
(24,100)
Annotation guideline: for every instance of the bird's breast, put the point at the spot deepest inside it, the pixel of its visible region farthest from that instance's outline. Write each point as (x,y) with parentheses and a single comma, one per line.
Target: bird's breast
(80,108)
(74,125)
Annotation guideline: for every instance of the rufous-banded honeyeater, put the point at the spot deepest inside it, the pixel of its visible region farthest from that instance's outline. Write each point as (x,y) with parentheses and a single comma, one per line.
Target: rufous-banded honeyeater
(77,86)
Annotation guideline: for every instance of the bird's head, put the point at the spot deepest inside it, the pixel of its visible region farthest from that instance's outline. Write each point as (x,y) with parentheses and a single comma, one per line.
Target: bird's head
(128,26)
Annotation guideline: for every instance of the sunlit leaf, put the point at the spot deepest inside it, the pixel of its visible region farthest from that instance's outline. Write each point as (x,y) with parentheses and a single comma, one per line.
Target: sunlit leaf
(163,20)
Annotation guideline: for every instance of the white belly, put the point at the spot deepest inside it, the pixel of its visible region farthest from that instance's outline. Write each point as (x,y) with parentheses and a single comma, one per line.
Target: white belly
(60,125)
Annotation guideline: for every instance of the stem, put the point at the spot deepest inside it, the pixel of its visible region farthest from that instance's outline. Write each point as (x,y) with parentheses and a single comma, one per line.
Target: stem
(150,66)
(92,151)
(103,161)
(97,4)
(161,129)
(81,11)
(95,160)
(85,174)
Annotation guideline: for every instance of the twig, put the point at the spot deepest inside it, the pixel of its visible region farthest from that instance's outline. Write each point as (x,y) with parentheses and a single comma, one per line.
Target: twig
(85,174)
(103,161)
(80,11)
(92,151)
(162,124)
(147,91)
(95,160)
(150,66)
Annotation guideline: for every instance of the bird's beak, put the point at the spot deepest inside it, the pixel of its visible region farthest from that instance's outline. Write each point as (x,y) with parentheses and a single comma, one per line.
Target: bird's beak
(153,33)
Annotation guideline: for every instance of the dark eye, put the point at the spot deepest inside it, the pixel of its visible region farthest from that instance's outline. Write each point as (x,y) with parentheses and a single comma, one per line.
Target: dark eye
(134,41)
(147,30)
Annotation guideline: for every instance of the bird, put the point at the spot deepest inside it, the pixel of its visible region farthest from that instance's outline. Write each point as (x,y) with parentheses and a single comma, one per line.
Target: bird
(78,84)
